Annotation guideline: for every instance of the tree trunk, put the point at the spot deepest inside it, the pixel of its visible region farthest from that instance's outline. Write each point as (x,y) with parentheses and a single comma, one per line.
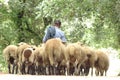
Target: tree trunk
(19,24)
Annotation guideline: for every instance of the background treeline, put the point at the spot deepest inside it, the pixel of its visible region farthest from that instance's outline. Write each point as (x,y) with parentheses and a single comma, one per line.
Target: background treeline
(94,22)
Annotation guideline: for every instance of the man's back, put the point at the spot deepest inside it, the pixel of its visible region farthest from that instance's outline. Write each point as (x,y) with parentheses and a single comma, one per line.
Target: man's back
(50,33)
(55,32)
(60,34)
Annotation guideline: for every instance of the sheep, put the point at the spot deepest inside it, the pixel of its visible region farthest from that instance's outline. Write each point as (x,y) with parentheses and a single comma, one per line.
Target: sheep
(54,54)
(9,54)
(102,63)
(40,67)
(28,61)
(89,62)
(19,51)
(75,57)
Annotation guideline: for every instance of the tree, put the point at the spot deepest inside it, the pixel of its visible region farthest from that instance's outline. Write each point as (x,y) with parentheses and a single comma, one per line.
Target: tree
(95,22)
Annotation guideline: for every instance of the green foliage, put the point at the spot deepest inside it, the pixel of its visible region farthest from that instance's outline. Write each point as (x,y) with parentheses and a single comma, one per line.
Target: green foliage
(91,21)
(3,66)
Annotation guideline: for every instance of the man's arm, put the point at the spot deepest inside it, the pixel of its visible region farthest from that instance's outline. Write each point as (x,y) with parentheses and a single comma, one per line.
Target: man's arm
(63,38)
(46,37)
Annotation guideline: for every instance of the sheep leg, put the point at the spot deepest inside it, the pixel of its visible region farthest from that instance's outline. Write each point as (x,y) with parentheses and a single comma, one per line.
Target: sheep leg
(16,69)
(9,68)
(62,70)
(23,68)
(105,73)
(76,68)
(55,70)
(44,71)
(13,68)
(101,72)
(47,70)
(33,69)
(71,70)
(58,70)
(92,72)
(50,70)
(38,70)
(86,71)
(82,69)
(68,67)
(28,70)
(97,72)
(75,71)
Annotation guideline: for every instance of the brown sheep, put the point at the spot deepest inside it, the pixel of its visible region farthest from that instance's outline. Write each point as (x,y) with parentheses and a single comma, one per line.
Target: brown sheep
(54,54)
(75,57)
(89,63)
(102,63)
(28,61)
(9,53)
(40,67)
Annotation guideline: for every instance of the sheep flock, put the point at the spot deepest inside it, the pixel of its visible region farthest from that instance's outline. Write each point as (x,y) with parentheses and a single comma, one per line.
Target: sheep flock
(55,58)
